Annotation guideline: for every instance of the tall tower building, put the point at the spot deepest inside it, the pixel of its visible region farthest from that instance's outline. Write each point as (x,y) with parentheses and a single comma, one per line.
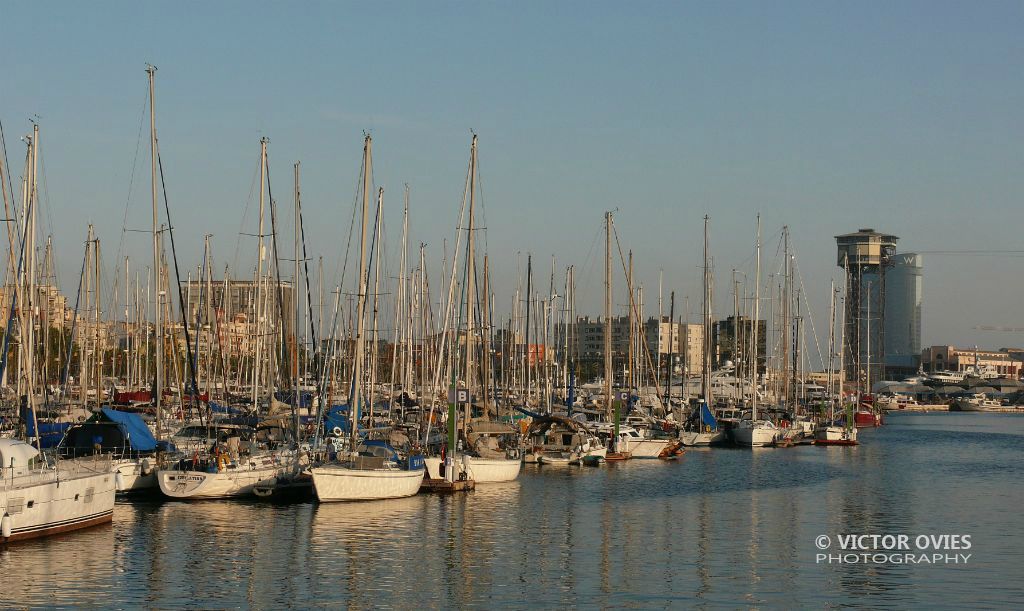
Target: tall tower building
(866,256)
(903,314)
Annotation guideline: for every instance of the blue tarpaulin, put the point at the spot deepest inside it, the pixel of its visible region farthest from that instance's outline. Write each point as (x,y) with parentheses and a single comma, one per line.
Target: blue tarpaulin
(707,417)
(139,435)
(50,433)
(226,409)
(337,416)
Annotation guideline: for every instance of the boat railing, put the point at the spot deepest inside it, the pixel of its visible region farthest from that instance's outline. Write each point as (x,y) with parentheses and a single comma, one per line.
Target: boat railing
(53,470)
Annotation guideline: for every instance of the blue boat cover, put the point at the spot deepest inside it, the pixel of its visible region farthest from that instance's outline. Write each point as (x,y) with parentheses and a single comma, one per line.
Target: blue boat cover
(50,433)
(706,416)
(226,409)
(139,435)
(337,417)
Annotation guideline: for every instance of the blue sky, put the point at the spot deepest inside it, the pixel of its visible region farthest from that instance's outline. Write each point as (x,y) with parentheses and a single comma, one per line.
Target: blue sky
(824,116)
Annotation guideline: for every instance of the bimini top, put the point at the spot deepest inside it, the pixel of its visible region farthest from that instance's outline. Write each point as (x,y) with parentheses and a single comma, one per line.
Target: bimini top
(16,453)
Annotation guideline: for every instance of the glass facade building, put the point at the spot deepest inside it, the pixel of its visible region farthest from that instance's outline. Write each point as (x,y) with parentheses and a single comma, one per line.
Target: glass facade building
(903,313)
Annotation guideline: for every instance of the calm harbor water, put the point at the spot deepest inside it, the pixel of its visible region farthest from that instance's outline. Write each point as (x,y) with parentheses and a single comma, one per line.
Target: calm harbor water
(723,527)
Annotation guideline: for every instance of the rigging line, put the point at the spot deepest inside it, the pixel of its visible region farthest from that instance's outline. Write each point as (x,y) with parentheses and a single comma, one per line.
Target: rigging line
(74,326)
(13,221)
(810,315)
(245,216)
(339,275)
(7,166)
(277,272)
(14,298)
(483,209)
(194,390)
(337,315)
(305,265)
(131,179)
(588,261)
(633,307)
(48,208)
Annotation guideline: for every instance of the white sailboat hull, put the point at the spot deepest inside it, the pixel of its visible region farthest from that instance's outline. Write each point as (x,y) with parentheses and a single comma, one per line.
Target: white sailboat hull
(134,475)
(39,505)
(698,438)
(755,436)
(493,470)
(343,483)
(836,434)
(225,484)
(644,448)
(481,470)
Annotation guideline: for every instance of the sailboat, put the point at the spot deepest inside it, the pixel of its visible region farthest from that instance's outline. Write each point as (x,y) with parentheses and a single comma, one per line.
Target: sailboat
(704,430)
(39,497)
(124,438)
(830,433)
(755,432)
(236,462)
(490,454)
(367,472)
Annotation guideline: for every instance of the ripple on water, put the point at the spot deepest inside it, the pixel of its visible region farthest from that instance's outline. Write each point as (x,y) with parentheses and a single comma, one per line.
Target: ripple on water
(715,528)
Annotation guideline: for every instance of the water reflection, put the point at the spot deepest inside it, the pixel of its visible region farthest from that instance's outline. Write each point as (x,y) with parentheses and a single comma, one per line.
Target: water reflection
(715,528)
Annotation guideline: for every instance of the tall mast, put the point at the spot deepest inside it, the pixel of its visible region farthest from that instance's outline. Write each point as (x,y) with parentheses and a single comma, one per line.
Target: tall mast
(158,320)
(258,282)
(29,294)
(378,227)
(357,361)
(632,322)
(296,401)
(831,347)
(705,381)
(786,322)
(755,323)
(470,286)
(673,333)
(400,305)
(608,315)
(485,337)
(661,317)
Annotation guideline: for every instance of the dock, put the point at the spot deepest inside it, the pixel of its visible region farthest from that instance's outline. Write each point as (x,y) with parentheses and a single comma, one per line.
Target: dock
(443,486)
(1009,409)
(936,407)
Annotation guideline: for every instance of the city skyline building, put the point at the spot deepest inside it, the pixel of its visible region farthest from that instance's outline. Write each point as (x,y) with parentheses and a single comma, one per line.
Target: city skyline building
(904,296)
